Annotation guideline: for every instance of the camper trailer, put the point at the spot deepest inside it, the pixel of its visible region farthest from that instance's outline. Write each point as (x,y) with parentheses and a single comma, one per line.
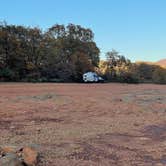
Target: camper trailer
(92,77)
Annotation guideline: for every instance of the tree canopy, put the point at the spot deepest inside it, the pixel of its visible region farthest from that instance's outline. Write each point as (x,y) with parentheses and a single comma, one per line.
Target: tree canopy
(62,52)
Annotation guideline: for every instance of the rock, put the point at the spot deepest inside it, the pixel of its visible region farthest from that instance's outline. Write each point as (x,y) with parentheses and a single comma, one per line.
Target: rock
(10,159)
(8,149)
(14,156)
(29,156)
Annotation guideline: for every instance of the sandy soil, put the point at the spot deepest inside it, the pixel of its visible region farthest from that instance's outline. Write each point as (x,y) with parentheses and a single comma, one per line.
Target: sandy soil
(86,124)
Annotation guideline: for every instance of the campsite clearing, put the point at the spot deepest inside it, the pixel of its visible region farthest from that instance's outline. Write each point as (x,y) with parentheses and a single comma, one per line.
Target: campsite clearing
(86,124)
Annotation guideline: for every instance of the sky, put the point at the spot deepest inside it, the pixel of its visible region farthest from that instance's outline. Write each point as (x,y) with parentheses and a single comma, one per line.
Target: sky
(135,28)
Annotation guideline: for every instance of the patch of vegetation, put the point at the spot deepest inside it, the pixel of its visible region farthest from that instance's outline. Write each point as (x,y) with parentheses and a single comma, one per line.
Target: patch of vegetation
(63,54)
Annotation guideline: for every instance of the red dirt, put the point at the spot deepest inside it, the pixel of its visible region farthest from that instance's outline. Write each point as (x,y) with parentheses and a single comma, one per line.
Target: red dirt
(86,124)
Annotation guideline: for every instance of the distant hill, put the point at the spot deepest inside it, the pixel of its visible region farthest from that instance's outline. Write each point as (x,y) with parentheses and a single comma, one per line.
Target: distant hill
(161,62)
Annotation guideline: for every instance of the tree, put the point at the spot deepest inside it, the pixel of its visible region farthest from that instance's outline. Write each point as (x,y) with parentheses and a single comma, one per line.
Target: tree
(73,44)
(10,52)
(159,75)
(116,64)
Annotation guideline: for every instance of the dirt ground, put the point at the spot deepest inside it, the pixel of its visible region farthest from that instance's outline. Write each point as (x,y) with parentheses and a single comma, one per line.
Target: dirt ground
(86,124)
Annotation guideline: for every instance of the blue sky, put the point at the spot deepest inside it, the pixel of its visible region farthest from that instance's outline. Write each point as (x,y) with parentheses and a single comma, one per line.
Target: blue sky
(135,28)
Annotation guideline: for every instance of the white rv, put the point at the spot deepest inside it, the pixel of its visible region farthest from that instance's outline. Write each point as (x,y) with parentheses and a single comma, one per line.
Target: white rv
(92,77)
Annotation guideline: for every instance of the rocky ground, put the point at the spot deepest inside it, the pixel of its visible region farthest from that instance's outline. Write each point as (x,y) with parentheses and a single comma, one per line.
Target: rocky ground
(86,124)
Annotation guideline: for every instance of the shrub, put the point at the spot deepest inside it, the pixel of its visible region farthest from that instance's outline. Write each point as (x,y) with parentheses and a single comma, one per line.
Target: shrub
(7,75)
(128,77)
(159,76)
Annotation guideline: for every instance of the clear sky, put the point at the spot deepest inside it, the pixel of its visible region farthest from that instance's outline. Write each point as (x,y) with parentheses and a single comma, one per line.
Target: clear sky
(135,28)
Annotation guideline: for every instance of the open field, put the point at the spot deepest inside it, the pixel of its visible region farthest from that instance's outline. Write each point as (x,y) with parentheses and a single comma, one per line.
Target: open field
(86,124)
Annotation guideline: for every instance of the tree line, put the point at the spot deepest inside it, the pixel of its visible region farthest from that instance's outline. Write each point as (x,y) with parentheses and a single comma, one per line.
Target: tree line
(117,68)
(62,54)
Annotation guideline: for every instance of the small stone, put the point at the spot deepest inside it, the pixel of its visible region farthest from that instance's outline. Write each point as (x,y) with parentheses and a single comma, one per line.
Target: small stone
(29,156)
(10,159)
(159,164)
(8,149)
(12,127)
(144,138)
